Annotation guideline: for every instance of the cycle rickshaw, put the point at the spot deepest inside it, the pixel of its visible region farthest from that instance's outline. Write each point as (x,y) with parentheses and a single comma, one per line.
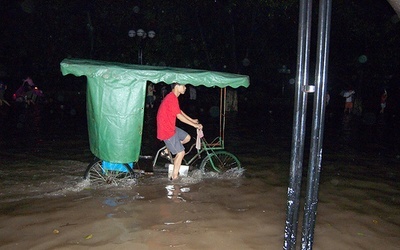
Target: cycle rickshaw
(115,103)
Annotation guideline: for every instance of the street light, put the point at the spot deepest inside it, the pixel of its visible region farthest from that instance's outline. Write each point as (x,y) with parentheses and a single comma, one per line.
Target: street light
(141,35)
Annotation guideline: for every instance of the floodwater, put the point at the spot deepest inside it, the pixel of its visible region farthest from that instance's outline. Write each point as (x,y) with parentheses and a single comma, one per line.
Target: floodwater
(46,204)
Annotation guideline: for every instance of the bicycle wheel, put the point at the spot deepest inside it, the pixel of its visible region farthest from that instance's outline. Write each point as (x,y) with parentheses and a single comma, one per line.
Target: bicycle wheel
(97,174)
(222,161)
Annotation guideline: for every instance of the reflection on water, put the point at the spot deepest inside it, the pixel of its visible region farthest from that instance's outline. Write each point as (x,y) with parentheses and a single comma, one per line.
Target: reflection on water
(174,192)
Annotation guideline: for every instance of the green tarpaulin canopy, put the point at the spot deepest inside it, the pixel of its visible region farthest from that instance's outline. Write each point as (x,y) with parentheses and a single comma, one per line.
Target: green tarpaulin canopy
(116,96)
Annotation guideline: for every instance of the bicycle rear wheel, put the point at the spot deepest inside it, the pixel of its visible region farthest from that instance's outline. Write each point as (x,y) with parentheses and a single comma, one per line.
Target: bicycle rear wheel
(222,161)
(97,174)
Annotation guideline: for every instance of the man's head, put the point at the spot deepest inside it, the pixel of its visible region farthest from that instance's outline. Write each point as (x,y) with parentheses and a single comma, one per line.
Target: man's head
(178,88)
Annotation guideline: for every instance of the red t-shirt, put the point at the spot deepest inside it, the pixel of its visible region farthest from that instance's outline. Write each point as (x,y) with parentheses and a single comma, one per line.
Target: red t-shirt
(166,116)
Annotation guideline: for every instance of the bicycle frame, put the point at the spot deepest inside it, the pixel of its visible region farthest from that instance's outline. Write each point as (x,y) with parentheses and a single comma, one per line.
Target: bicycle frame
(208,148)
(216,144)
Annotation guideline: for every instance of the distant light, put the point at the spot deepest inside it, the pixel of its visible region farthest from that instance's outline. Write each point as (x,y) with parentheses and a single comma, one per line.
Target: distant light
(284,70)
(362,59)
(28,6)
(246,62)
(136,9)
(140,32)
(152,33)
(131,33)
(178,38)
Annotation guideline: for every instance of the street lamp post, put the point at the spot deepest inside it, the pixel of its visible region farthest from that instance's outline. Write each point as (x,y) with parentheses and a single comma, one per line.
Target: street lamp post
(284,70)
(140,34)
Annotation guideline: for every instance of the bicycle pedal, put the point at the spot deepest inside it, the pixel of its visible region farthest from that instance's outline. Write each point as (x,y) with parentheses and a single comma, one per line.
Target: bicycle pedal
(146,157)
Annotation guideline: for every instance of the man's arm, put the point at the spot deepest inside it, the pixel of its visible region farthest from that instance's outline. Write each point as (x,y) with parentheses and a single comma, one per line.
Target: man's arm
(186,119)
(189,118)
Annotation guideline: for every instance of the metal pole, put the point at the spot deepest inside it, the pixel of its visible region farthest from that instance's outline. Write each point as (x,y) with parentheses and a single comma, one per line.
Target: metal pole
(317,129)
(299,119)
(140,52)
(222,115)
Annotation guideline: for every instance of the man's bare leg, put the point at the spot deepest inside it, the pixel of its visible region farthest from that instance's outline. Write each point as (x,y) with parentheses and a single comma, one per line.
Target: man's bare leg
(178,159)
(177,164)
(186,140)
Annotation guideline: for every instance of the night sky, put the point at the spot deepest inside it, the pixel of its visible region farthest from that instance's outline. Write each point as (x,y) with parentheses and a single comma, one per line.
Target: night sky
(247,37)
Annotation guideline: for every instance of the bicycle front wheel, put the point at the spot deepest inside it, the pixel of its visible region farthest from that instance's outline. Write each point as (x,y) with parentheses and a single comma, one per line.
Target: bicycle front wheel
(97,174)
(220,162)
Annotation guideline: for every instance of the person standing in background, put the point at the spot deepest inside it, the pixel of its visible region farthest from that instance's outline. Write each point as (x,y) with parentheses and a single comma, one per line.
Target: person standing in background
(150,95)
(348,105)
(383,101)
(3,88)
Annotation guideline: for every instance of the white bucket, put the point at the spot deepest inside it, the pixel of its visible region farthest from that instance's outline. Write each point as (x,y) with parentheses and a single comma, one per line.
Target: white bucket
(183,171)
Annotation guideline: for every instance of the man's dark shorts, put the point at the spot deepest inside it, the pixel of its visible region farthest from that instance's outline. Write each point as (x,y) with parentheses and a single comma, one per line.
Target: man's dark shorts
(174,144)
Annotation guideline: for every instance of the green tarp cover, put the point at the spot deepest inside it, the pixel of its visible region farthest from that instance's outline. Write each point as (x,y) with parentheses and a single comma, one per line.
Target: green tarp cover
(116,98)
